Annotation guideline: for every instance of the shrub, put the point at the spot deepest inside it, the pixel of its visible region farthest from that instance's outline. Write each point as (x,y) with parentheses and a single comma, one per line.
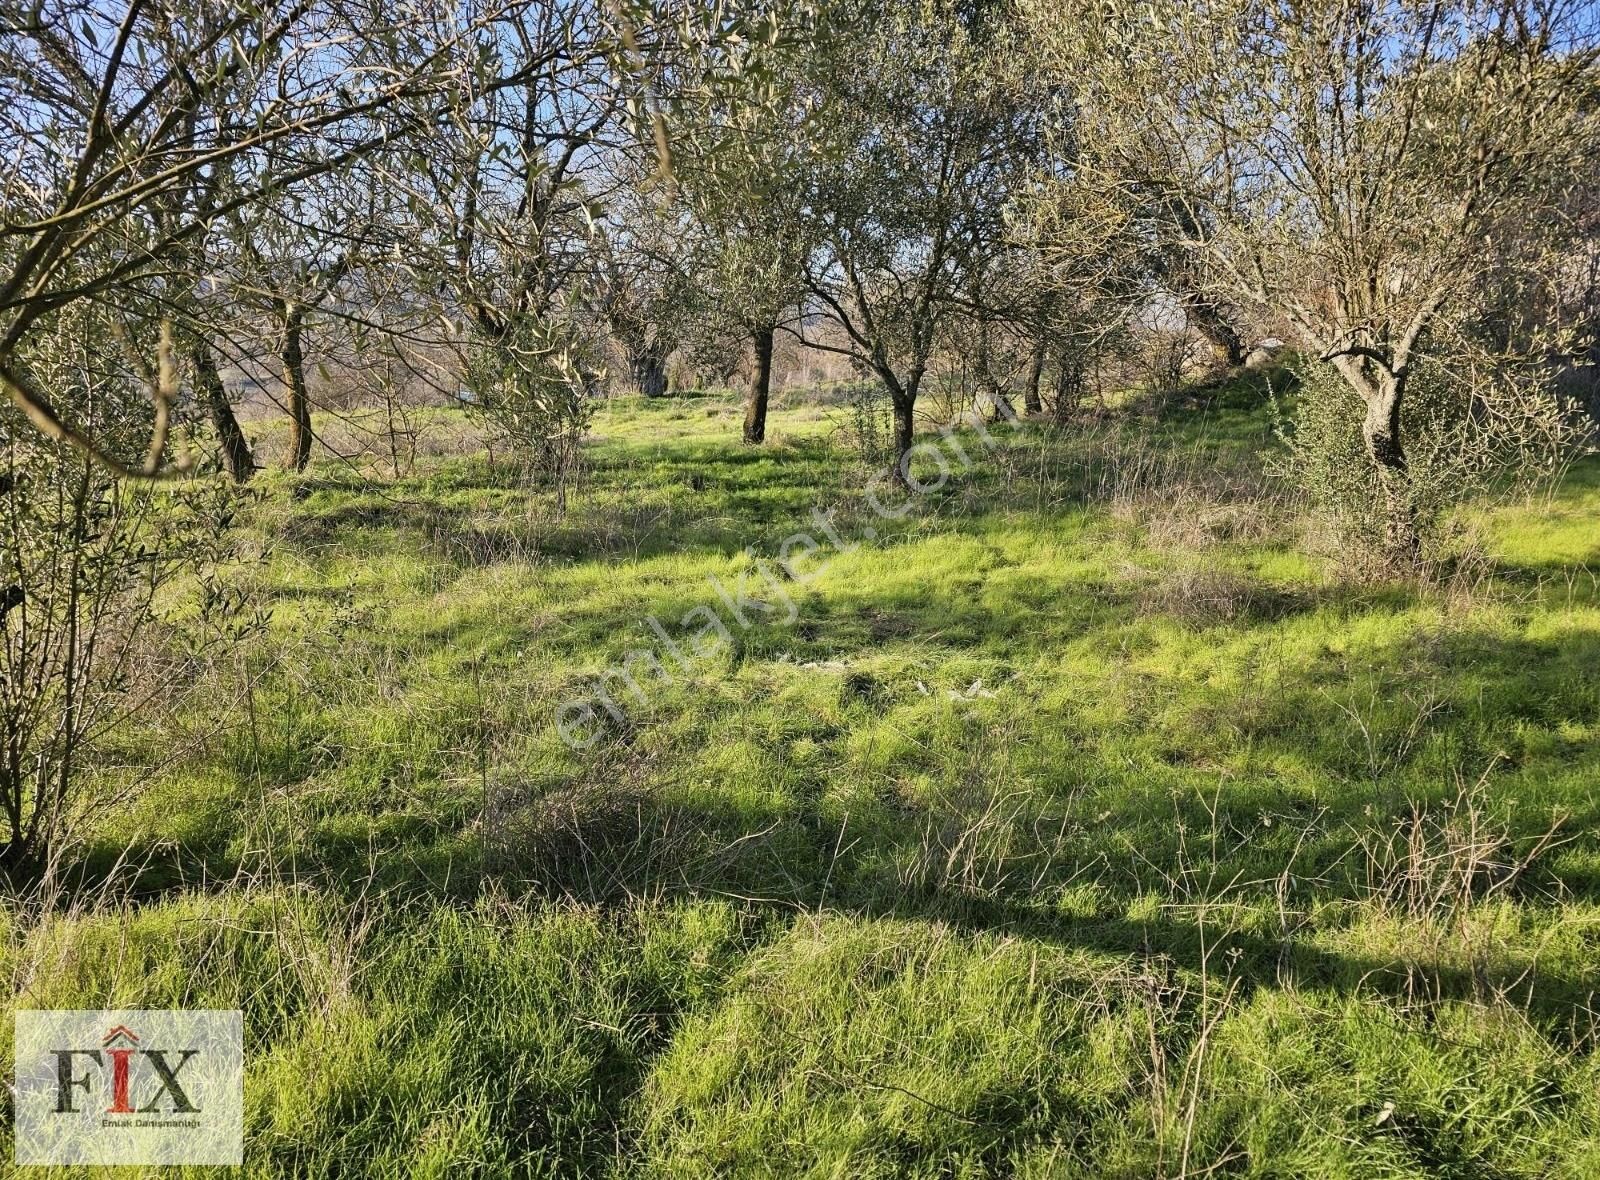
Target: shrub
(1467,433)
(532,389)
(867,427)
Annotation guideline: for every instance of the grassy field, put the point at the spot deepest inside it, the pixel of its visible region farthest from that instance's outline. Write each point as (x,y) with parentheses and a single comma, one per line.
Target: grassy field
(1086,820)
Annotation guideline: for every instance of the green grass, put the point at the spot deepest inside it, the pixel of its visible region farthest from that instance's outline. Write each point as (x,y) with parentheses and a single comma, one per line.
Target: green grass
(1085,822)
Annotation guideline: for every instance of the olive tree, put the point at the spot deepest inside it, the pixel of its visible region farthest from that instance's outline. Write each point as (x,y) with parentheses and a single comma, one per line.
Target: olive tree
(1359,171)
(746,125)
(642,284)
(106,112)
(516,192)
(927,142)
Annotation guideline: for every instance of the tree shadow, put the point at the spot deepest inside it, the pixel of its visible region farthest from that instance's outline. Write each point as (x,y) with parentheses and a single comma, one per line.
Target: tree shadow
(1155,877)
(623,850)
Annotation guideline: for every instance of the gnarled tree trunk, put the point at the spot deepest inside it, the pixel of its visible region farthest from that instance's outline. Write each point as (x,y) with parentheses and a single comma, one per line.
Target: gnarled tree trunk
(1207,318)
(648,368)
(755,411)
(1381,432)
(1030,391)
(293,359)
(234,448)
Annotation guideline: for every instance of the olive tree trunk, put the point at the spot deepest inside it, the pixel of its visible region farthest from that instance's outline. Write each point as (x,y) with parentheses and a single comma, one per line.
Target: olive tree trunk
(903,398)
(1030,391)
(1380,430)
(293,359)
(234,448)
(755,411)
(648,368)
(1206,318)
(1069,387)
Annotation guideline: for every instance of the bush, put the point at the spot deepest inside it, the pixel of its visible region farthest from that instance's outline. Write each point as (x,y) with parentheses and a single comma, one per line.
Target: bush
(867,428)
(534,393)
(1465,433)
(85,566)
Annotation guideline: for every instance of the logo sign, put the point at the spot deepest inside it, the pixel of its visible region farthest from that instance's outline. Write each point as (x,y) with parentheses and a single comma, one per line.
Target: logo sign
(130,1087)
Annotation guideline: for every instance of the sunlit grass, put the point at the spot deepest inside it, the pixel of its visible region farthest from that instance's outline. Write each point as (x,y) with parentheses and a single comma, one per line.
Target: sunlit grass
(1078,825)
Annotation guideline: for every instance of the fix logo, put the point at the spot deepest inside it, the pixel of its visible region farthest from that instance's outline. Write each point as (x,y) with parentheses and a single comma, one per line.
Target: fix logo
(145,1086)
(121,1047)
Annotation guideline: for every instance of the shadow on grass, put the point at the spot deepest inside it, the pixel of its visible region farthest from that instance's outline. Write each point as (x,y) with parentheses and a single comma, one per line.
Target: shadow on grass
(1111,837)
(1123,869)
